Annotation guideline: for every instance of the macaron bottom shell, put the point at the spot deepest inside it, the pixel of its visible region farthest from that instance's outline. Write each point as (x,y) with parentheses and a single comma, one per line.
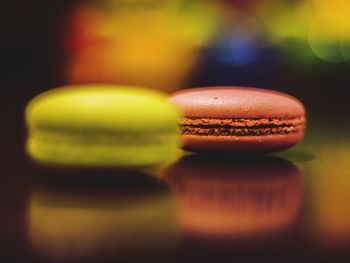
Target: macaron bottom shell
(241,144)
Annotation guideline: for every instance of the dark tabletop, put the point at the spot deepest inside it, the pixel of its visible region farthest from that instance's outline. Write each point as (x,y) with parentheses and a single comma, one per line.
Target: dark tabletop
(291,206)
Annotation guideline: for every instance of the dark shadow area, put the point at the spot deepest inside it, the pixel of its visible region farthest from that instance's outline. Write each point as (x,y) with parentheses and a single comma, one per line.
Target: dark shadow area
(95,179)
(299,156)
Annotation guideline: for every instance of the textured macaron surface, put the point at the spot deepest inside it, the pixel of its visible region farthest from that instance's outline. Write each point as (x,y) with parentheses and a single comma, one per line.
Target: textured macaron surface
(241,127)
(236,102)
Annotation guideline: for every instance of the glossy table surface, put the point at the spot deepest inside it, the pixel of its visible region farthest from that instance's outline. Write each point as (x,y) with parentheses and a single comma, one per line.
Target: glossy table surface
(293,206)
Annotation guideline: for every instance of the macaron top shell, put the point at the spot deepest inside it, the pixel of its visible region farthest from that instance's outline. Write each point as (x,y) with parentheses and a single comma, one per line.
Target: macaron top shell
(120,108)
(236,102)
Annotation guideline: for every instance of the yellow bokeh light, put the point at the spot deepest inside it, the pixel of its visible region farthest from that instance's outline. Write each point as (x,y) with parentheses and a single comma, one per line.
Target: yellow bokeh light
(335,14)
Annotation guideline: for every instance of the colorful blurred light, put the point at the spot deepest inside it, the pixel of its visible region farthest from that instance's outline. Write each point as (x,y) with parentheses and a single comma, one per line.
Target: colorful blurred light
(158,43)
(345,50)
(324,44)
(153,45)
(283,20)
(240,42)
(335,14)
(321,24)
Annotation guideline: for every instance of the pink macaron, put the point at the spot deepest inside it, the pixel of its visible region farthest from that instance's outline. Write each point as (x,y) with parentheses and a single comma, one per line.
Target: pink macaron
(239,119)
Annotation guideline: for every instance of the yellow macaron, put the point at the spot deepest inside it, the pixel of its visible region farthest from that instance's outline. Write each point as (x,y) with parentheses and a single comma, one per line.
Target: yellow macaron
(101,125)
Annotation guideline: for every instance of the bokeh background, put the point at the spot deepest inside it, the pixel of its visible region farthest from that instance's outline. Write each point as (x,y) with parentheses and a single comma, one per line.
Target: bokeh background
(301,47)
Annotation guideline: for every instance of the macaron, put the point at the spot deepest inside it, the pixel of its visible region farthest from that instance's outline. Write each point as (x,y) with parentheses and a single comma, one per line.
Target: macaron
(101,125)
(238,119)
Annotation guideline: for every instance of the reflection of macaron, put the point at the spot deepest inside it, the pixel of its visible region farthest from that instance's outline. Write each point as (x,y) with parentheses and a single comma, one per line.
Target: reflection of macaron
(78,222)
(99,125)
(239,119)
(235,198)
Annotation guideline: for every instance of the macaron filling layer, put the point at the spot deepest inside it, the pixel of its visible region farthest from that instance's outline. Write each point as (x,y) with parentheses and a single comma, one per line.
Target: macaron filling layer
(99,137)
(240,126)
(101,149)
